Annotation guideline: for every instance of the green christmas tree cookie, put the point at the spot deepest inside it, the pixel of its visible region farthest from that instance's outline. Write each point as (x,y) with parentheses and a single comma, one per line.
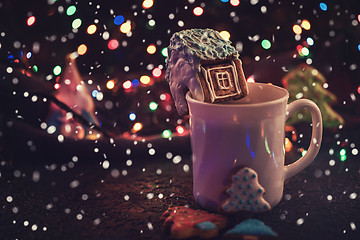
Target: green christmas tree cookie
(307,82)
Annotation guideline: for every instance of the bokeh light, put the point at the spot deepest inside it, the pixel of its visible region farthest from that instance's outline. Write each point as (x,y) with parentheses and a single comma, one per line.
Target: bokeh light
(323,6)
(288,145)
(165,97)
(235,3)
(303,152)
(166,133)
(106,35)
(110,84)
(91,29)
(113,44)
(266,44)
(57,70)
(250,79)
(198,11)
(76,23)
(94,93)
(125,27)
(127,85)
(164,52)
(343,156)
(180,129)
(137,127)
(135,82)
(153,106)
(156,72)
(71,10)
(82,49)
(30,21)
(305,51)
(225,35)
(132,116)
(119,19)
(297,29)
(151,23)
(299,50)
(310,41)
(147,4)
(145,79)
(305,24)
(151,49)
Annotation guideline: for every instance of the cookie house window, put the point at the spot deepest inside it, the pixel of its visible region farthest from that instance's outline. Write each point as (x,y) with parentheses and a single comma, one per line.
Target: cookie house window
(223,80)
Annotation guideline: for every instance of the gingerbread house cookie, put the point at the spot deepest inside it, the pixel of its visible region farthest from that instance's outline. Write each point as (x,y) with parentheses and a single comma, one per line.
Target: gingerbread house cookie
(201,61)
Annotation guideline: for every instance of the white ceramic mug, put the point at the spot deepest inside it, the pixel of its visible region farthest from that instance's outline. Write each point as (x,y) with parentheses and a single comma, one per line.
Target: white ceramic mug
(248,132)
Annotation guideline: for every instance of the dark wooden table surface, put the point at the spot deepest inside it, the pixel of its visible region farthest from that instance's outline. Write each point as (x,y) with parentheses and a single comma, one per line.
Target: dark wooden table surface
(52,190)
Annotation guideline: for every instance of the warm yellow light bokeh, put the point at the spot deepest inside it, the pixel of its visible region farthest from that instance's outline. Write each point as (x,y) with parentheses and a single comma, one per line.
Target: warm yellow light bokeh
(137,126)
(297,29)
(147,4)
(110,84)
(225,35)
(82,49)
(125,27)
(151,49)
(145,79)
(305,24)
(91,29)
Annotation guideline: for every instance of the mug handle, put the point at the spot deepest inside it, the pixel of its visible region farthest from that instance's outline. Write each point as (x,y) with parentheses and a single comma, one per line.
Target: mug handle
(316,136)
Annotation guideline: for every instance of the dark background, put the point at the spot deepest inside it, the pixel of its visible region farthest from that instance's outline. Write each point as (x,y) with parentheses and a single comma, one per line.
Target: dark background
(38,196)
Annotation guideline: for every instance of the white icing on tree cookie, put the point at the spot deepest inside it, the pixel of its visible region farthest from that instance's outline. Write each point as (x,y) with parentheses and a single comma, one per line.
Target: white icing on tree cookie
(245,193)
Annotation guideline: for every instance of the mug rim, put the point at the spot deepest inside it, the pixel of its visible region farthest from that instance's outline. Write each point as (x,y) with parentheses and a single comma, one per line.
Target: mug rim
(261,104)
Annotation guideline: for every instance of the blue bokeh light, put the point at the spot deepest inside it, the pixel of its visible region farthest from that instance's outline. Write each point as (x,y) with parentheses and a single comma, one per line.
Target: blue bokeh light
(119,19)
(135,83)
(94,93)
(323,6)
(132,116)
